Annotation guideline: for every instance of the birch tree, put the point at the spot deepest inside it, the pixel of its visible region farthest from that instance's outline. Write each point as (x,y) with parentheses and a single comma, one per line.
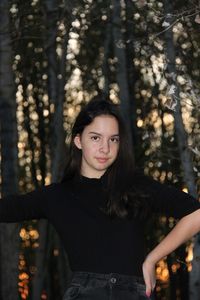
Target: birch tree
(182,139)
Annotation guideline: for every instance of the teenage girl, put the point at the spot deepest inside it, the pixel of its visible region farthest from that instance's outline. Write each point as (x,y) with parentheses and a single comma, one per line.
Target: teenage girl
(99,211)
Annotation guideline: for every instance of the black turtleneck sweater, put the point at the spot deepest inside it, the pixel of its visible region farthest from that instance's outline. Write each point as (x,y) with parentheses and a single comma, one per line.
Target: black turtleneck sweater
(94,242)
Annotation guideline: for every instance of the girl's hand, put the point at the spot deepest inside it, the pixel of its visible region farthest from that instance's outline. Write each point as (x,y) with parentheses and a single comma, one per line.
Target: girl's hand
(149,275)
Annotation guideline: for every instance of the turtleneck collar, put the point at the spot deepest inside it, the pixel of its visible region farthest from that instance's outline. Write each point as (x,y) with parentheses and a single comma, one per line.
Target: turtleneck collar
(90,181)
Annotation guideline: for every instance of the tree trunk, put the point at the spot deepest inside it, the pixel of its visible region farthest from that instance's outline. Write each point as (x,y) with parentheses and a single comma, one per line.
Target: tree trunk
(185,154)
(132,76)
(121,72)
(56,82)
(51,9)
(105,66)
(58,148)
(9,233)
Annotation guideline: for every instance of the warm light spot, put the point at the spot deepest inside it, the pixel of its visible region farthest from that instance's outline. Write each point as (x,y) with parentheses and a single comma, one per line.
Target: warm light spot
(34,116)
(23,234)
(20,284)
(56,252)
(140,123)
(189,257)
(23,276)
(76,23)
(17,57)
(45,112)
(168,119)
(43,296)
(143,92)
(71,111)
(45,97)
(22,263)
(162,272)
(185,190)
(34,234)
(136,16)
(190,267)
(165,274)
(158,270)
(35,245)
(39,177)
(44,76)
(73,44)
(136,62)
(29,87)
(48,179)
(21,145)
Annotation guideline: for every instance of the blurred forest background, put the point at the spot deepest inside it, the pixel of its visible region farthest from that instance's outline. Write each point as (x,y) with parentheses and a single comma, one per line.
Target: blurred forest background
(54,56)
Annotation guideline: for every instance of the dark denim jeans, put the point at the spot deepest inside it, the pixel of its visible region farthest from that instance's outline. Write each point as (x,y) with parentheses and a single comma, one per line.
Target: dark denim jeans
(113,286)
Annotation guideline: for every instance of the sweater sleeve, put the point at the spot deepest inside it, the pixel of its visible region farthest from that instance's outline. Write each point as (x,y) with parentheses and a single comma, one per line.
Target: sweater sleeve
(32,205)
(166,200)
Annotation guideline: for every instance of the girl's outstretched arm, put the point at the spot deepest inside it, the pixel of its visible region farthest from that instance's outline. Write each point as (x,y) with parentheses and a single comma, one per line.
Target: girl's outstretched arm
(186,228)
(32,205)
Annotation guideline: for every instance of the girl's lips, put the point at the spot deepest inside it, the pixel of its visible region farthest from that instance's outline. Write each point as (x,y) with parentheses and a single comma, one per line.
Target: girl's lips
(102,160)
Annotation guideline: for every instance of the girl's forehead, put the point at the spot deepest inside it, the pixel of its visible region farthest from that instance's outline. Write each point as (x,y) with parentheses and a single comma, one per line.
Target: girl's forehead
(104,118)
(108,122)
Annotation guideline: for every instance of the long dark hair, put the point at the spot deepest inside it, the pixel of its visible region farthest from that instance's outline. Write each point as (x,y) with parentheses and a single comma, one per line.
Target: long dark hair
(121,199)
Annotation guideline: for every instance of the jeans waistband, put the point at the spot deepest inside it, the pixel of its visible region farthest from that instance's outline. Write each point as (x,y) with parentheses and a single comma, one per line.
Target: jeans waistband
(114,278)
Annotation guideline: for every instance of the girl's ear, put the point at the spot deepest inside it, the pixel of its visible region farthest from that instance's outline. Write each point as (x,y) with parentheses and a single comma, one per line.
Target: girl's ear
(77,141)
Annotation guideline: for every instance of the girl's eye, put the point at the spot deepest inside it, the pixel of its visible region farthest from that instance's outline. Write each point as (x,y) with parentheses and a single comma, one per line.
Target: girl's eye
(115,140)
(95,138)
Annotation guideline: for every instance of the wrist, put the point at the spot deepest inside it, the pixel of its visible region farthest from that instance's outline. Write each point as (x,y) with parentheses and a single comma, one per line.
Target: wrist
(151,259)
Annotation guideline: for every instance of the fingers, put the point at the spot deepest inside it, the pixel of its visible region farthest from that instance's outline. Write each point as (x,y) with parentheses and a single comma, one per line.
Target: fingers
(149,289)
(148,293)
(149,277)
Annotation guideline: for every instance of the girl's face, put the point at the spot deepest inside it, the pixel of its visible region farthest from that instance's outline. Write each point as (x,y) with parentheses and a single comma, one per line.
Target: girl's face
(99,143)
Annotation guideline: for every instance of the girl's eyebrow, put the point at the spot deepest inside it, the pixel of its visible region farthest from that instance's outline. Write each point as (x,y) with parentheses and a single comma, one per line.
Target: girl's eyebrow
(93,132)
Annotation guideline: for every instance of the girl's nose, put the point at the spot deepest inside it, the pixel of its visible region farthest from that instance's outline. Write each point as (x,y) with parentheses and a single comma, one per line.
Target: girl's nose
(105,147)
